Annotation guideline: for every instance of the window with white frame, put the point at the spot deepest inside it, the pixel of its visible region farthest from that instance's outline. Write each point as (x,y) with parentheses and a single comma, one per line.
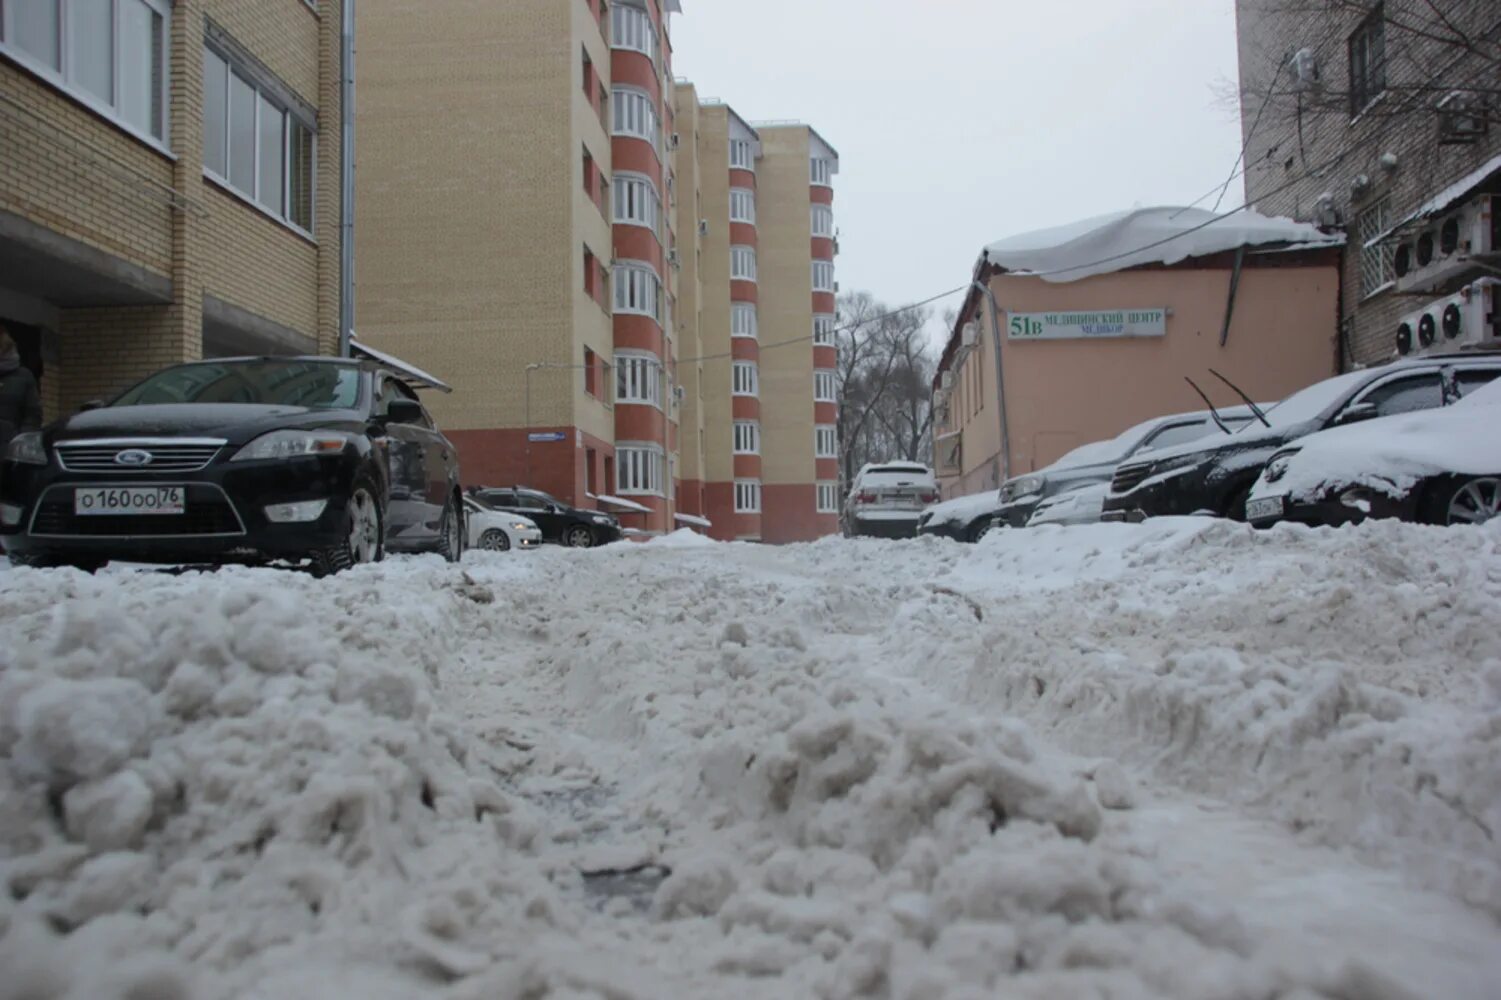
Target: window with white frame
(638,291)
(1377,255)
(823,275)
(638,469)
(743,320)
(743,205)
(638,379)
(254,145)
(747,437)
(823,330)
(631,28)
(823,221)
(743,263)
(828,498)
(636,201)
(822,171)
(747,496)
(634,114)
(110,54)
(744,379)
(742,155)
(825,441)
(825,386)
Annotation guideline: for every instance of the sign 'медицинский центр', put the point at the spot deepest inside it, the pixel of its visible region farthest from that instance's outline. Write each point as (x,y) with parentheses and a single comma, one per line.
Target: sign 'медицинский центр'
(1087,325)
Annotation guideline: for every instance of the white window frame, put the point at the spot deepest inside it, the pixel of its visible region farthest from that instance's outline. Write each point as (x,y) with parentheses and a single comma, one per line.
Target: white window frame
(631,29)
(1378,270)
(743,205)
(747,435)
(638,469)
(828,498)
(743,320)
(742,155)
(636,290)
(63,77)
(822,221)
(742,263)
(823,330)
(634,201)
(747,496)
(823,276)
(825,441)
(638,379)
(745,379)
(821,171)
(825,385)
(633,114)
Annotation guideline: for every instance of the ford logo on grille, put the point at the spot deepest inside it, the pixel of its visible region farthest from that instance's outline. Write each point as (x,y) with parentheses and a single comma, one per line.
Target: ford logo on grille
(133,457)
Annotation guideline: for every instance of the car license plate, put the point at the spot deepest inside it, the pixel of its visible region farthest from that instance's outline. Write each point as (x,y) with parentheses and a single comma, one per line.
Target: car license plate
(118,500)
(1264,507)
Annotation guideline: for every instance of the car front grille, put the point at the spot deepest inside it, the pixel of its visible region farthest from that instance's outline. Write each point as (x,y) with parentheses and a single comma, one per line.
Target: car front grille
(161,456)
(207,513)
(1128,477)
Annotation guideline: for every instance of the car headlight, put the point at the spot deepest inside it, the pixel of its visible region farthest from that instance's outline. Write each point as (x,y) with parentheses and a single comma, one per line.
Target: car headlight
(290,444)
(520,526)
(603,519)
(27,449)
(1024,486)
(1277,467)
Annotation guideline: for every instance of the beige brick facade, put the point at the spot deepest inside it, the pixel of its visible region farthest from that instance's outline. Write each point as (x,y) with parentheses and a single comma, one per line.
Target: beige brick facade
(117,250)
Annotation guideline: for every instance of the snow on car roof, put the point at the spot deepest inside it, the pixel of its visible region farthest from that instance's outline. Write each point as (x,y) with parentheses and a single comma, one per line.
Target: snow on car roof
(1164,235)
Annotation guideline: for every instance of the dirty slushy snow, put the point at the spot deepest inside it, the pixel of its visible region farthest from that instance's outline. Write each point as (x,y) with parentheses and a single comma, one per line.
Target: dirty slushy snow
(1180,759)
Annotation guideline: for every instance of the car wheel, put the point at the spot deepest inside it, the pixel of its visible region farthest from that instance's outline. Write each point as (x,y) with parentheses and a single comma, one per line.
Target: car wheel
(365,541)
(980,529)
(1470,501)
(451,533)
(495,540)
(579,537)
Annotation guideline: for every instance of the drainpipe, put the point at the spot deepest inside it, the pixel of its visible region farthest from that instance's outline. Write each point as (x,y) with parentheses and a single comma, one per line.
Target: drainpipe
(346,171)
(1000,378)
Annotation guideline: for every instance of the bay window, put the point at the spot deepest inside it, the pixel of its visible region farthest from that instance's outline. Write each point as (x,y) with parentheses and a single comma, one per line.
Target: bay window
(825,386)
(823,330)
(638,379)
(743,263)
(637,202)
(742,205)
(823,221)
(631,28)
(635,114)
(747,437)
(745,379)
(742,155)
(747,496)
(828,498)
(821,171)
(638,290)
(638,469)
(743,321)
(825,441)
(823,276)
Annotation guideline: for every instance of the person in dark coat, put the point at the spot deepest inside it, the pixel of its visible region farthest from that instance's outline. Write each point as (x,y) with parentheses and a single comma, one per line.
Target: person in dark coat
(20,403)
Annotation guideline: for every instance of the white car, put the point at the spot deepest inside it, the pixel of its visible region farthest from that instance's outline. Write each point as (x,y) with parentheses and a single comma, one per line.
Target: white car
(1079,506)
(497,530)
(887,498)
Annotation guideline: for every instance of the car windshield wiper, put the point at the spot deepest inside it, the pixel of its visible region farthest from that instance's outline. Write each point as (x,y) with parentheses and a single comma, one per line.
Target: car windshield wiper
(1254,408)
(1213,413)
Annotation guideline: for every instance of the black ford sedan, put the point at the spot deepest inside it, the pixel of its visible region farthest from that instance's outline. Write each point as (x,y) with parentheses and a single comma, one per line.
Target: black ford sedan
(322,462)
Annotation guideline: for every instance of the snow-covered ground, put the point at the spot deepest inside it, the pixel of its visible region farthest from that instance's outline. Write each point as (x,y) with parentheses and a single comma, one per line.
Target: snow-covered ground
(1180,759)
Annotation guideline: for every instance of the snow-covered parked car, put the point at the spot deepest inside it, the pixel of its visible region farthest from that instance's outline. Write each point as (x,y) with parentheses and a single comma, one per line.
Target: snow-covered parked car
(887,498)
(1438,466)
(1080,506)
(964,519)
(498,530)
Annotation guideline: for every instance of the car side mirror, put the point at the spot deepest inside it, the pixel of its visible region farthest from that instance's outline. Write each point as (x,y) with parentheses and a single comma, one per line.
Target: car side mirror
(404,411)
(1357,413)
(93,404)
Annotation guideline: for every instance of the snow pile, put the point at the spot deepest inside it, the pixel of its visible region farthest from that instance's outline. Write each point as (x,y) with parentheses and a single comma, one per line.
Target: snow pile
(1121,240)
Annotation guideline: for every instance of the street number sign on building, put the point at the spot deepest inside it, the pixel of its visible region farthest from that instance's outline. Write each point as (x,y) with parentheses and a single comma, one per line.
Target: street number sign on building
(1087,325)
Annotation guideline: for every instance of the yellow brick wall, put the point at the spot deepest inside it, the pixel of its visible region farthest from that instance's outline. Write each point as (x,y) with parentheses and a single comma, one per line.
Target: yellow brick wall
(690,292)
(257,263)
(592,326)
(714,277)
(282,34)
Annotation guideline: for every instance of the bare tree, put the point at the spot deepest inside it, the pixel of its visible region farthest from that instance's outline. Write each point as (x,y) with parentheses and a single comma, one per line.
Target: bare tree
(884,375)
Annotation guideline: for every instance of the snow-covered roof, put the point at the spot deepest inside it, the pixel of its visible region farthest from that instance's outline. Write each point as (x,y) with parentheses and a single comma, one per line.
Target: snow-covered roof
(410,373)
(693,519)
(620,502)
(1165,235)
(1451,194)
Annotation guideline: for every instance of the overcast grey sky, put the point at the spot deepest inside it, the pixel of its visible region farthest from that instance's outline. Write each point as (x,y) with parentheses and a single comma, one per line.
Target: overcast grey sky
(959,122)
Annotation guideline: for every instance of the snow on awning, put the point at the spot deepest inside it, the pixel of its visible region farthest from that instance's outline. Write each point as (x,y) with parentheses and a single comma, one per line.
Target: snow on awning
(620,502)
(1448,196)
(697,522)
(411,374)
(1108,243)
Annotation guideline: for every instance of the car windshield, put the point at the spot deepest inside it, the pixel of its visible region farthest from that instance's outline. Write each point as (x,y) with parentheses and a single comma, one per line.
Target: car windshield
(318,385)
(1311,402)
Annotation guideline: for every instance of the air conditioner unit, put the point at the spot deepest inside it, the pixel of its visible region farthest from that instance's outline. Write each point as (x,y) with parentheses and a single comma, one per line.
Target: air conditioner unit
(679,393)
(1467,319)
(1463,119)
(703,227)
(672,257)
(1444,250)
(1305,70)
(970,335)
(946,381)
(674,141)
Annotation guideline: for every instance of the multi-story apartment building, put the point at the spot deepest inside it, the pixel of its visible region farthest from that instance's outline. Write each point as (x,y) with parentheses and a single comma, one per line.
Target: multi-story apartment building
(170,178)
(590,273)
(1380,118)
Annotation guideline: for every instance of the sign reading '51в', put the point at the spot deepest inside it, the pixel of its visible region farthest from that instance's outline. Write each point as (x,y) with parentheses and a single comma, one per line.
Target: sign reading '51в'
(1087,325)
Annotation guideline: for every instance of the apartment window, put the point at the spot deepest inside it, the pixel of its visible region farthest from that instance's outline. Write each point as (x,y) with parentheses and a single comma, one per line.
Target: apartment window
(631,28)
(595,278)
(828,498)
(743,263)
(638,291)
(637,202)
(638,379)
(110,54)
(823,276)
(747,437)
(634,114)
(1377,268)
(822,171)
(1368,60)
(742,205)
(747,496)
(825,441)
(742,155)
(638,469)
(823,221)
(743,320)
(825,386)
(256,146)
(589,77)
(745,379)
(823,330)
(591,373)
